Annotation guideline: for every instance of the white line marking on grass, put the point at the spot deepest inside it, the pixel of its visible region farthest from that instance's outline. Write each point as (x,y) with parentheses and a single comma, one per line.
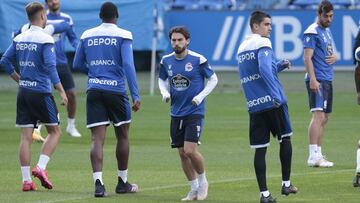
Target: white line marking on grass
(211,182)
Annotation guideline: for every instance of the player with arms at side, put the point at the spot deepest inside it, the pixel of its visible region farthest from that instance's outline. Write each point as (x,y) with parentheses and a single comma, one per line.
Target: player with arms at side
(186,72)
(105,54)
(319,58)
(55,28)
(266,102)
(33,51)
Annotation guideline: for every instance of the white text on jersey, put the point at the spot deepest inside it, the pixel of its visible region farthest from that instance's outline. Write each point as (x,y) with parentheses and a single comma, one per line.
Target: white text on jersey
(102,41)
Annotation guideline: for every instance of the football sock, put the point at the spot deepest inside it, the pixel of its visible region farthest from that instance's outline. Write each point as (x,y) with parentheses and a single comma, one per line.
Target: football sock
(260,168)
(312,149)
(123,175)
(38,129)
(285,158)
(286,183)
(43,161)
(202,178)
(358,161)
(319,151)
(265,193)
(25,171)
(98,175)
(194,184)
(71,122)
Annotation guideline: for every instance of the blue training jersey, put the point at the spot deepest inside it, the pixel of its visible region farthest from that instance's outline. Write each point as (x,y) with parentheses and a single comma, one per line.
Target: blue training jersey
(59,38)
(33,52)
(187,79)
(321,41)
(258,71)
(105,54)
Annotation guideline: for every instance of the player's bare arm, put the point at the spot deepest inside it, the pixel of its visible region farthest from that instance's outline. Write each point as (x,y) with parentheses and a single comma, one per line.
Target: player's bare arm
(314,84)
(64,99)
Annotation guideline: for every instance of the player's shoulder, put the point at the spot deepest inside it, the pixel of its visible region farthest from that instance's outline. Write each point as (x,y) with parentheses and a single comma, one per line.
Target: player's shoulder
(254,42)
(107,30)
(123,33)
(202,59)
(166,57)
(312,29)
(37,36)
(66,16)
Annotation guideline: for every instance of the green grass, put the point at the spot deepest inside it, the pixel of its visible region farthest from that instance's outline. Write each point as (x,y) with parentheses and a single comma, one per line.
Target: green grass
(155,167)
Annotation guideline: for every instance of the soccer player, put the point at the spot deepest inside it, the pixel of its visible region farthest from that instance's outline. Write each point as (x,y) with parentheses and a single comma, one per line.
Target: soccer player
(356,52)
(56,27)
(356,180)
(186,71)
(33,51)
(105,54)
(319,58)
(54,15)
(266,102)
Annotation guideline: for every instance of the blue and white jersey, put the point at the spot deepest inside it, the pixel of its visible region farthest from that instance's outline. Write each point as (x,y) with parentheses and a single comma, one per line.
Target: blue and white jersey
(105,54)
(258,74)
(59,38)
(187,79)
(33,52)
(321,41)
(54,28)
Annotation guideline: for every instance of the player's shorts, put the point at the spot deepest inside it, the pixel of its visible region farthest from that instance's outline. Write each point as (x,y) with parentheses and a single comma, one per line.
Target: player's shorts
(187,128)
(33,108)
(276,121)
(103,108)
(65,76)
(324,100)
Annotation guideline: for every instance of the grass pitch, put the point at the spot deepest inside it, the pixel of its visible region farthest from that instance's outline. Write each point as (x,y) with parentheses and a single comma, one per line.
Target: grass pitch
(155,167)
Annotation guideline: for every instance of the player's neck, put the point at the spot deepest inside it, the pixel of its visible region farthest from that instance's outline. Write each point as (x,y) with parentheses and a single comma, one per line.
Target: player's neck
(55,12)
(182,54)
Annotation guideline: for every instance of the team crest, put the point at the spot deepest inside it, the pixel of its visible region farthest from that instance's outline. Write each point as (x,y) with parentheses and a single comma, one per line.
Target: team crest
(170,73)
(188,67)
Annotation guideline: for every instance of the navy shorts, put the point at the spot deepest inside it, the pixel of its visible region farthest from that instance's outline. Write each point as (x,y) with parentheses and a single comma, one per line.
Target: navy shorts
(187,128)
(103,108)
(33,108)
(324,100)
(65,76)
(276,121)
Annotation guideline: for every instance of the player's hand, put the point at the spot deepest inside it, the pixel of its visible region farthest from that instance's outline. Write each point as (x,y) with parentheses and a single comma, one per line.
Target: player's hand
(276,103)
(166,98)
(315,86)
(196,101)
(136,106)
(286,64)
(331,59)
(64,99)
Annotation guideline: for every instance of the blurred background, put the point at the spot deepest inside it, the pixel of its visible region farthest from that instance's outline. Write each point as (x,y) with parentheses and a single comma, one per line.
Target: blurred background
(217,26)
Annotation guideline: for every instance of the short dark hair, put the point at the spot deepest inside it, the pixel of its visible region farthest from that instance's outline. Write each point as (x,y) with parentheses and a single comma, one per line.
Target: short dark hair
(180,29)
(325,7)
(108,11)
(32,9)
(257,17)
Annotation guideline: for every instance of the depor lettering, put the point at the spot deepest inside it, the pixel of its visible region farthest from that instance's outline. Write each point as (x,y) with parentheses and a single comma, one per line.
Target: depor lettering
(25,46)
(102,41)
(246,56)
